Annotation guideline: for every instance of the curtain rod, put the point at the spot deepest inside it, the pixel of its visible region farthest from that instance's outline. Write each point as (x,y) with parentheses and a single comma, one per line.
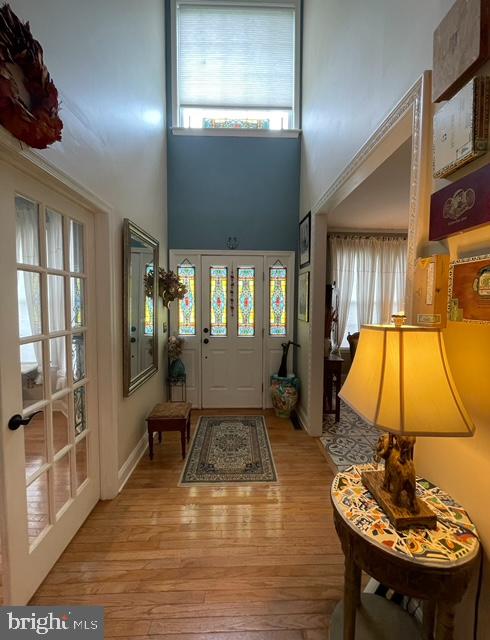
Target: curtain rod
(367,234)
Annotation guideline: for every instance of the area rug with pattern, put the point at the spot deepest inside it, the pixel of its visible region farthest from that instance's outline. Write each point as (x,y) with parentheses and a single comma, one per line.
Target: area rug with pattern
(349,441)
(229,449)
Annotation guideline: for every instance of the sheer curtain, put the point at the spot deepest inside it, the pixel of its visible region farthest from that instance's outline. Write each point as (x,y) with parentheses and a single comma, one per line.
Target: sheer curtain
(392,277)
(27,245)
(27,248)
(56,299)
(367,257)
(376,267)
(343,255)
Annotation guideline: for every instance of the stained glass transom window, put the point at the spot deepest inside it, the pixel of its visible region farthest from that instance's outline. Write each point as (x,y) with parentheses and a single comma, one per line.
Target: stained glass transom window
(187,306)
(246,301)
(278,299)
(219,284)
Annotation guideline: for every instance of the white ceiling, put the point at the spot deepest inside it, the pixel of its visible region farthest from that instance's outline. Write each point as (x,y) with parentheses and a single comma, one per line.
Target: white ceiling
(381,202)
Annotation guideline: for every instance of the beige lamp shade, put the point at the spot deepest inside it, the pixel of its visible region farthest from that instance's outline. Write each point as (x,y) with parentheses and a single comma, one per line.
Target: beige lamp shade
(400,381)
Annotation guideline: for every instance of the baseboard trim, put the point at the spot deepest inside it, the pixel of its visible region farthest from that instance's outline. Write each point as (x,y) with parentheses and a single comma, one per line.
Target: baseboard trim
(131,463)
(302,418)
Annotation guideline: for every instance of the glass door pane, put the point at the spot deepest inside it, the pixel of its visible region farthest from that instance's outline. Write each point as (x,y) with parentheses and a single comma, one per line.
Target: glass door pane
(48,297)
(219,301)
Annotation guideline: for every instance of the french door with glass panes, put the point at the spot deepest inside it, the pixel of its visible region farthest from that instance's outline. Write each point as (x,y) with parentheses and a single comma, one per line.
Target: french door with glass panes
(232,293)
(50,465)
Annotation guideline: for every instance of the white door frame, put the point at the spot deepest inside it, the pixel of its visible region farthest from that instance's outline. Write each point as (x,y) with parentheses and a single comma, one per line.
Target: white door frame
(36,166)
(412,116)
(271,346)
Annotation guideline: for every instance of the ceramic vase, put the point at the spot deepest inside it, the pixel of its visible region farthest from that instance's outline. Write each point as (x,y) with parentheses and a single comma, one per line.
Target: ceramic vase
(284,394)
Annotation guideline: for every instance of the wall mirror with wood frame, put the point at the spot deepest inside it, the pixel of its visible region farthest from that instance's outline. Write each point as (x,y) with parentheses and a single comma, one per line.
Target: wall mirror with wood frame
(140,349)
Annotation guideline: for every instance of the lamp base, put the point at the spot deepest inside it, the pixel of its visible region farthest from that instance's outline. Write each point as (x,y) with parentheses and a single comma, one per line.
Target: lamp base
(400,517)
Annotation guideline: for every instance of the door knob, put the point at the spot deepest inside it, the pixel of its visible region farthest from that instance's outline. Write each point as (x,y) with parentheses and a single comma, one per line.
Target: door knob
(18,421)
(206,330)
(206,341)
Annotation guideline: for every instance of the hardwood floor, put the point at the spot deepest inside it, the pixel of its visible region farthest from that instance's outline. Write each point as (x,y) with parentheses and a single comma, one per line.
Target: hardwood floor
(247,562)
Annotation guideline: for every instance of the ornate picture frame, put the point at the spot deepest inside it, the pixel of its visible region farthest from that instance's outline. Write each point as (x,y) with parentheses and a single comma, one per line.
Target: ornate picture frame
(469,290)
(305,241)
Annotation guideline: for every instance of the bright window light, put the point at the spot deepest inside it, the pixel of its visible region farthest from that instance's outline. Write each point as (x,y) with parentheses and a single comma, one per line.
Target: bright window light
(235,65)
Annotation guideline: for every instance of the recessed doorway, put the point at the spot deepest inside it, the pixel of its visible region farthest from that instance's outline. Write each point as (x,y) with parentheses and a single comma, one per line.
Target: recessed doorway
(238,310)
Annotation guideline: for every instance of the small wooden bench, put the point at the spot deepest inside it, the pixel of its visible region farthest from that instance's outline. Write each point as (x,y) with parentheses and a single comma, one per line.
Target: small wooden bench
(170,416)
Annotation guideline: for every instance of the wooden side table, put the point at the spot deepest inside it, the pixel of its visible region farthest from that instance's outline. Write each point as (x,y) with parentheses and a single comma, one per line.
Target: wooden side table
(170,416)
(433,565)
(332,379)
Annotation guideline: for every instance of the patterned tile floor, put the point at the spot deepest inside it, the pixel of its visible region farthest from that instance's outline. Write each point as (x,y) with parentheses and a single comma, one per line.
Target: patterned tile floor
(350,441)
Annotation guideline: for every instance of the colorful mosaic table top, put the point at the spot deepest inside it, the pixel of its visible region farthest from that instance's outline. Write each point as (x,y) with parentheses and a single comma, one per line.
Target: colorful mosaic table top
(454,542)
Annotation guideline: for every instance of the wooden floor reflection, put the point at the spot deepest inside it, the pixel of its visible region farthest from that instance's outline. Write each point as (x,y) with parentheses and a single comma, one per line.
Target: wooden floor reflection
(35,439)
(37,491)
(246,562)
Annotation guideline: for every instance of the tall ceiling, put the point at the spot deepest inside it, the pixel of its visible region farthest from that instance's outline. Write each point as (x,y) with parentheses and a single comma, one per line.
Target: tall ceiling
(381,202)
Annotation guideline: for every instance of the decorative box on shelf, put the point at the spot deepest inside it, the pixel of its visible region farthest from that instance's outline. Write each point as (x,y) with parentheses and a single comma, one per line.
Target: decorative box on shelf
(431,289)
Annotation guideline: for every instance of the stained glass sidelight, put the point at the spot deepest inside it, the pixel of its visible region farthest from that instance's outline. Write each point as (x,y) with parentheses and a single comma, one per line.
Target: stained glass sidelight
(219,283)
(278,298)
(246,301)
(149,305)
(187,306)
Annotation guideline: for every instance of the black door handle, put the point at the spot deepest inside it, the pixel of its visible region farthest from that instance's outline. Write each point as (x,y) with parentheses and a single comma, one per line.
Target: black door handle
(205,341)
(205,330)
(18,421)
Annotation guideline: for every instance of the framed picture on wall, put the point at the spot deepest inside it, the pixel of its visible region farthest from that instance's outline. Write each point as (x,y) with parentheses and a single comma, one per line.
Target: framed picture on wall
(469,290)
(304,296)
(304,241)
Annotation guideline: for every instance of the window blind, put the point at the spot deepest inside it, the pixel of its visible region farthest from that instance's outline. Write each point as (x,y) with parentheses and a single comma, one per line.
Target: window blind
(235,56)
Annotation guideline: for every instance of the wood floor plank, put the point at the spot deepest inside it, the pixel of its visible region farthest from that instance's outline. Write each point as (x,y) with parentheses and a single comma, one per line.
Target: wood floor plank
(254,562)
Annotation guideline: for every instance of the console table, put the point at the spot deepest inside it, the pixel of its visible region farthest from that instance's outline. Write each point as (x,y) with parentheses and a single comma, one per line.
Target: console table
(433,565)
(332,380)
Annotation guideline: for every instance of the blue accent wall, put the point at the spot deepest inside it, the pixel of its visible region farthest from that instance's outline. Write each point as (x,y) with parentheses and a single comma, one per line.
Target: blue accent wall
(220,186)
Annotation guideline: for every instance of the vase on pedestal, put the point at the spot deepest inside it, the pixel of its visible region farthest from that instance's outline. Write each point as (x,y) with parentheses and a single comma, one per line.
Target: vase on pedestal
(284,394)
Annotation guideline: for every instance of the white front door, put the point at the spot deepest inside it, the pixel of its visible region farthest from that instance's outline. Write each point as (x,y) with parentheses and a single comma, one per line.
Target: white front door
(49,467)
(232,336)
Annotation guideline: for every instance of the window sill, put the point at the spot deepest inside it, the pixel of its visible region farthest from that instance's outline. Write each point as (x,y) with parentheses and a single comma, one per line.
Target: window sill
(237,133)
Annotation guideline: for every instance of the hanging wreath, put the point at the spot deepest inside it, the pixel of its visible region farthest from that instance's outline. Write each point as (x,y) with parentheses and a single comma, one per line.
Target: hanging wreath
(28,97)
(170,288)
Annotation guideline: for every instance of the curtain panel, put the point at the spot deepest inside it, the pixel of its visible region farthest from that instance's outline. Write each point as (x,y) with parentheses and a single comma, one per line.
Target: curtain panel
(370,272)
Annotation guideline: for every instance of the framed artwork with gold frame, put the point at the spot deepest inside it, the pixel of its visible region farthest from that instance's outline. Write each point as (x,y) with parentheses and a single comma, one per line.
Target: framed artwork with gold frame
(469,290)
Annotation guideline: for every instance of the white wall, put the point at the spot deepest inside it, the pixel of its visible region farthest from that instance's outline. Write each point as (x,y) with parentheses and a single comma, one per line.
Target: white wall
(107,60)
(359,59)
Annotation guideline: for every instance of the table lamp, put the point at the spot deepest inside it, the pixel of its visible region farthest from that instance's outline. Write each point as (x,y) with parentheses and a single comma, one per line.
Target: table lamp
(400,382)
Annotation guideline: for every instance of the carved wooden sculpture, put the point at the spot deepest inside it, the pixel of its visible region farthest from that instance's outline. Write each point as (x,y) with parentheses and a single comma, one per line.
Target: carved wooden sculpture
(396,488)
